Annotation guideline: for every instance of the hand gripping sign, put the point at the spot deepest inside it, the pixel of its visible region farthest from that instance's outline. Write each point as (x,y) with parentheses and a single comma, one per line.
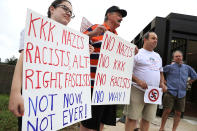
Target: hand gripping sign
(114,71)
(153,95)
(56,75)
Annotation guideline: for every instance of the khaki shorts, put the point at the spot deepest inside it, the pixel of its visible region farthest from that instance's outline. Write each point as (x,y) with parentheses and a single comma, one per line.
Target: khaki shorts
(170,101)
(137,108)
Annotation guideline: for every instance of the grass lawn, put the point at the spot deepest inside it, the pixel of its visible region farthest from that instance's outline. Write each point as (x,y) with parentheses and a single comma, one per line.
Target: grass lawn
(119,111)
(8,122)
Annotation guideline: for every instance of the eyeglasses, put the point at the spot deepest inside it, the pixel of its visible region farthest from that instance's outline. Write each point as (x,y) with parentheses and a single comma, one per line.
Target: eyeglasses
(67,10)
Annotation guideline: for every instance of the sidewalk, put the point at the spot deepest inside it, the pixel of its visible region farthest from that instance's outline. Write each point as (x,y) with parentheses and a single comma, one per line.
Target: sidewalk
(186,124)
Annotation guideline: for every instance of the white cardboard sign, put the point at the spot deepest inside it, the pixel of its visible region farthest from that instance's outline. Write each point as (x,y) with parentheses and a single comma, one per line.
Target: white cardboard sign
(85,24)
(56,75)
(114,71)
(153,95)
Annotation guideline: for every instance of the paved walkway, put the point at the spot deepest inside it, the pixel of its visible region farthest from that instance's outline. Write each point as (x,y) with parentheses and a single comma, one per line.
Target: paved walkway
(186,124)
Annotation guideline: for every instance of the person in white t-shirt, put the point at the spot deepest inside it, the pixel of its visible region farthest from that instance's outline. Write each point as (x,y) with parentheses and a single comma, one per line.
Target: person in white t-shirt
(147,72)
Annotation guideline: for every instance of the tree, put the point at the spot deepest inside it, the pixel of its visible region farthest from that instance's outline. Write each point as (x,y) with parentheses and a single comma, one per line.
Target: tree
(11,61)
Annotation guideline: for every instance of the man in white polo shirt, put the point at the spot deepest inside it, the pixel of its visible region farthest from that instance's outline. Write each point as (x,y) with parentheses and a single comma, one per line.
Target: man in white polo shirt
(147,72)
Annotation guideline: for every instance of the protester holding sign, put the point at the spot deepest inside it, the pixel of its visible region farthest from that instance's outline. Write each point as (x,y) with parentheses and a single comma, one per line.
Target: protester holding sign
(60,11)
(147,72)
(177,75)
(105,114)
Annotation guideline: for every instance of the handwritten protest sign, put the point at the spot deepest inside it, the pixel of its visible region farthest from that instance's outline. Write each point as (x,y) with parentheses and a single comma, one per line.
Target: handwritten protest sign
(85,24)
(153,95)
(56,75)
(114,71)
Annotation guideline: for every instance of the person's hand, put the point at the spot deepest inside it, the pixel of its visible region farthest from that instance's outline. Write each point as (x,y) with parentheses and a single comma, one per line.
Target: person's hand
(16,104)
(142,84)
(164,87)
(136,50)
(190,81)
(91,49)
(99,30)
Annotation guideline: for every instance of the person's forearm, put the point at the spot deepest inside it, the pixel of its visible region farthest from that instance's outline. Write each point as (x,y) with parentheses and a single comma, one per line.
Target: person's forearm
(16,101)
(135,79)
(98,31)
(162,79)
(162,82)
(17,77)
(139,82)
(91,34)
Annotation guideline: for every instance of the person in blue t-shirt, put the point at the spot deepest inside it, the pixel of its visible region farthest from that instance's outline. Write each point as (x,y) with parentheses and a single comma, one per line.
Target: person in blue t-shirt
(177,75)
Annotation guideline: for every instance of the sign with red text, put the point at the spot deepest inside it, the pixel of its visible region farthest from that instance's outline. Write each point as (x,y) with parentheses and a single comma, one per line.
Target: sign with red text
(113,78)
(85,24)
(153,95)
(56,75)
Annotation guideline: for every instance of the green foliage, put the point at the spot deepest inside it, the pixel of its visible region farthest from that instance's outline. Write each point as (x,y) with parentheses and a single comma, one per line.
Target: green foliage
(119,111)
(8,122)
(11,61)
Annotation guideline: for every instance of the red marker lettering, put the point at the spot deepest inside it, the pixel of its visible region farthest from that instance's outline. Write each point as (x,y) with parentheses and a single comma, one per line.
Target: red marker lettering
(50,32)
(37,55)
(42,29)
(43,50)
(38,79)
(28,51)
(28,77)
(32,23)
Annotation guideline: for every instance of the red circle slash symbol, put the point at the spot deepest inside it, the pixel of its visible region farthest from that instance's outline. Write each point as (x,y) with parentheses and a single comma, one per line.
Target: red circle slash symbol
(153,95)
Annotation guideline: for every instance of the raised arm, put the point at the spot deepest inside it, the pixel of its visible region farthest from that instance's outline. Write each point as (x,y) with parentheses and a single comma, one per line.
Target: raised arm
(97,31)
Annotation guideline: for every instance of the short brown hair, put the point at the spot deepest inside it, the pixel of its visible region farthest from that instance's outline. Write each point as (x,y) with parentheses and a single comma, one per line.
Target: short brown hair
(146,35)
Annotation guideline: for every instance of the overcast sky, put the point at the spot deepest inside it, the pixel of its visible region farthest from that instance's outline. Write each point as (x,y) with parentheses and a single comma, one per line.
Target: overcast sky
(140,13)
